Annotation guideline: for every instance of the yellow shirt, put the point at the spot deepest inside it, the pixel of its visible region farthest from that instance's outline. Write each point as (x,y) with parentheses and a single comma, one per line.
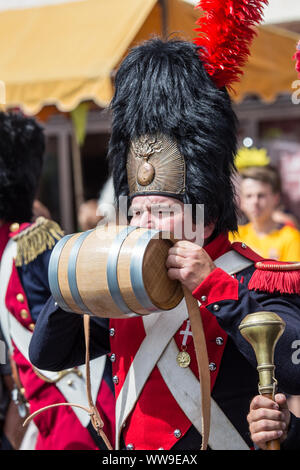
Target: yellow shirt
(282,244)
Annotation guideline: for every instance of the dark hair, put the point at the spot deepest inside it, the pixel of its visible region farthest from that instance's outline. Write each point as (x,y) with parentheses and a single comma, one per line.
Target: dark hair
(22,147)
(162,86)
(265,174)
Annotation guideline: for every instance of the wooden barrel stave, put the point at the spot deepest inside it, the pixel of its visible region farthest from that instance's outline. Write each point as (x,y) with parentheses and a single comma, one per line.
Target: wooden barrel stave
(94,287)
(62,274)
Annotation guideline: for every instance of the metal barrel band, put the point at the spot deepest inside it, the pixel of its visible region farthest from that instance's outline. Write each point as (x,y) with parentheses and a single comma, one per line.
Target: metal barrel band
(112,269)
(53,273)
(136,270)
(72,272)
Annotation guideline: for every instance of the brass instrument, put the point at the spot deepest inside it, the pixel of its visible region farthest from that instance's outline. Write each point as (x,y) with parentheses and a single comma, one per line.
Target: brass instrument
(262,330)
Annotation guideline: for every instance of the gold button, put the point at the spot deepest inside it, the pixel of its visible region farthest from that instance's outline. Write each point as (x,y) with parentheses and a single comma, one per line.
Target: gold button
(24,313)
(14,227)
(31,326)
(20,297)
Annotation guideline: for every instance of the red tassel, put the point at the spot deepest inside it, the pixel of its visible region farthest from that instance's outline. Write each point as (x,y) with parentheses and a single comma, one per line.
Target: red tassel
(225,33)
(276,278)
(297,58)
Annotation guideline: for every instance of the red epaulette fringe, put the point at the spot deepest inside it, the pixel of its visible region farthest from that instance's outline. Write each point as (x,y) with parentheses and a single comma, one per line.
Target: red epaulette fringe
(275,276)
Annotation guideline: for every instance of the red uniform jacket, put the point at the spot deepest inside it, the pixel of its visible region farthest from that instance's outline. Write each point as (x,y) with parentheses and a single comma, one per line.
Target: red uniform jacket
(157,421)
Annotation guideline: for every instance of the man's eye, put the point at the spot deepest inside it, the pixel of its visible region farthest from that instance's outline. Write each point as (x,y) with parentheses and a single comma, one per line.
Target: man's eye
(134,212)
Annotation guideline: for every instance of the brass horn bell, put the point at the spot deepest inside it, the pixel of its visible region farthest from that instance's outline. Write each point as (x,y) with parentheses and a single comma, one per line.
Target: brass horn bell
(262,330)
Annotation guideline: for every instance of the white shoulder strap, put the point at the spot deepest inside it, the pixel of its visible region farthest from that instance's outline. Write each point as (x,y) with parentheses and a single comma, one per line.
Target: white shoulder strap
(6,265)
(232,262)
(185,388)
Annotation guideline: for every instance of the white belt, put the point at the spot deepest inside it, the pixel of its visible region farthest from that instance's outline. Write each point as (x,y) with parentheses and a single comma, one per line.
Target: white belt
(185,388)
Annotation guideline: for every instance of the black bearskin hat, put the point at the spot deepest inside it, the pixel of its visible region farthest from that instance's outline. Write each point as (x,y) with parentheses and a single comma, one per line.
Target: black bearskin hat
(163,87)
(22,147)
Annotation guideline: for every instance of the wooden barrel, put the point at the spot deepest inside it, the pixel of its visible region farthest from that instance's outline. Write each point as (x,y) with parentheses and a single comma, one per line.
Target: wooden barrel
(114,272)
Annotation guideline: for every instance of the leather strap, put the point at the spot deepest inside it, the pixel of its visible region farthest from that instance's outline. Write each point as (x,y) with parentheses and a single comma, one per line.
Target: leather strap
(96,419)
(231,262)
(202,363)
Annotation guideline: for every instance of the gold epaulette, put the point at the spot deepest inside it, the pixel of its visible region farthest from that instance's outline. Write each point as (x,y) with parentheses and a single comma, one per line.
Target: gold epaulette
(35,239)
(277,266)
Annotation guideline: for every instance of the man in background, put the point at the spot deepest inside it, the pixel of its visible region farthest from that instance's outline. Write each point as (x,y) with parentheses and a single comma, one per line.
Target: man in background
(267,232)
(260,194)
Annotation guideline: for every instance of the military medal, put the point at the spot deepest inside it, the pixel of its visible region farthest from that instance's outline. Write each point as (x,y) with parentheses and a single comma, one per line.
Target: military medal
(183,358)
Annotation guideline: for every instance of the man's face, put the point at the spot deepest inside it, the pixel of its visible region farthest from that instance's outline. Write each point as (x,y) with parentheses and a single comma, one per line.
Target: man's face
(167,214)
(258,201)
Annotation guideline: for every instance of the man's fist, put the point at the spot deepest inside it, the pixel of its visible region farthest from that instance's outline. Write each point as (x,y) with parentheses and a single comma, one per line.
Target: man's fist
(268,420)
(189,264)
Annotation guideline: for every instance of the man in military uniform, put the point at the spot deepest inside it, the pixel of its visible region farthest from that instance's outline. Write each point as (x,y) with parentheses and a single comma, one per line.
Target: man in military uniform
(25,249)
(173,143)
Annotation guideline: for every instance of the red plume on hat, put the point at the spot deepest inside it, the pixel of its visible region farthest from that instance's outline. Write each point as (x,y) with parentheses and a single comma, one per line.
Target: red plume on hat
(297,58)
(225,33)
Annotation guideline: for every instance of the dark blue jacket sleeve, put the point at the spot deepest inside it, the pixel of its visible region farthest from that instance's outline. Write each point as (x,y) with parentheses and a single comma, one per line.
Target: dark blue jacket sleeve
(58,339)
(34,279)
(230,312)
(292,441)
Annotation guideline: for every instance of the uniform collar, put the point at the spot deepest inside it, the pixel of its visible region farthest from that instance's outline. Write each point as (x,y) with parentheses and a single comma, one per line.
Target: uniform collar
(9,230)
(218,246)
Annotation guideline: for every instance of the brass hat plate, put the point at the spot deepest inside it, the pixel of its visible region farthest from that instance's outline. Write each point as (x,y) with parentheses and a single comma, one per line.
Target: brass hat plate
(154,164)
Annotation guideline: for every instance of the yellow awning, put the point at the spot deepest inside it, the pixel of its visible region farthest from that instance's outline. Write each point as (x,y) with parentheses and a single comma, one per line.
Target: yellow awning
(270,69)
(64,54)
